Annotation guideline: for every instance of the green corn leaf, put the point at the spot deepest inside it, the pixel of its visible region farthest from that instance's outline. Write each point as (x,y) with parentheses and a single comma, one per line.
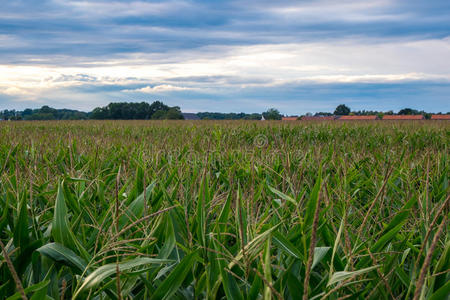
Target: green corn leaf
(136,209)
(336,244)
(286,245)
(343,275)
(170,241)
(35,288)
(319,254)
(230,286)
(103,272)
(282,195)
(442,293)
(174,280)
(223,217)
(267,271)
(21,235)
(61,231)
(59,253)
(311,205)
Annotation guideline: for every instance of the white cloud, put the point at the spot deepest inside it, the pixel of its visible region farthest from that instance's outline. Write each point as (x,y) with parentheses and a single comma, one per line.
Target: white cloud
(15,91)
(346,61)
(159,88)
(127,8)
(8,41)
(329,10)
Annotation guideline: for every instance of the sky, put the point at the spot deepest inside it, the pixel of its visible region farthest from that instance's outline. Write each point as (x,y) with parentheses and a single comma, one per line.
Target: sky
(226,56)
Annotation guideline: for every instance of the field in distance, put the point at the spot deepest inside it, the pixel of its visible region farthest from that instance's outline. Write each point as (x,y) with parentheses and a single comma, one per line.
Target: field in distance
(224,210)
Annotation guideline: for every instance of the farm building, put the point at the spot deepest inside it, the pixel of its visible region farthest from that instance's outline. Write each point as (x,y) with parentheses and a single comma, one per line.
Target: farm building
(289,118)
(403,117)
(190,116)
(317,118)
(440,117)
(357,118)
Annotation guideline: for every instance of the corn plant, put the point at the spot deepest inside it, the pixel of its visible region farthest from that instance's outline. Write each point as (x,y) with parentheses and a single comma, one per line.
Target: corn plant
(224,210)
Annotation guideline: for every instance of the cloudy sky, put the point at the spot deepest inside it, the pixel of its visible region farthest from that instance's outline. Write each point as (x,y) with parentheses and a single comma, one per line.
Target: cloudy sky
(227,56)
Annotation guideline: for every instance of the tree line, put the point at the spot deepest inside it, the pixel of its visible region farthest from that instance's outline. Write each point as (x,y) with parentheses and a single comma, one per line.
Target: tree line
(344,110)
(113,111)
(270,114)
(136,111)
(159,111)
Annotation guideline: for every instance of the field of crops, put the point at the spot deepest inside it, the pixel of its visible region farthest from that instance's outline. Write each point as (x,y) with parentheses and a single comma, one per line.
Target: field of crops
(215,210)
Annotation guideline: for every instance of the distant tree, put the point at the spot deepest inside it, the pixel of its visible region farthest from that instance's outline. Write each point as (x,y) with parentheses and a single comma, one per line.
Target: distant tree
(342,110)
(272,114)
(45,113)
(134,111)
(159,115)
(41,116)
(27,112)
(253,116)
(319,114)
(408,111)
(174,113)
(156,106)
(99,113)
(228,116)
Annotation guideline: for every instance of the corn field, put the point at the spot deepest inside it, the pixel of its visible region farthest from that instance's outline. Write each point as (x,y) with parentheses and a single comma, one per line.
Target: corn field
(224,210)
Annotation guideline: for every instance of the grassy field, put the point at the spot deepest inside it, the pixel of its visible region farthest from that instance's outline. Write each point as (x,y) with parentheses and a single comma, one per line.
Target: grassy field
(236,210)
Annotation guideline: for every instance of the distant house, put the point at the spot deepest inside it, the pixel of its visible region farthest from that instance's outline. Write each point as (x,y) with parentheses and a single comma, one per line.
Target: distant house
(317,118)
(403,117)
(357,118)
(440,117)
(190,116)
(295,118)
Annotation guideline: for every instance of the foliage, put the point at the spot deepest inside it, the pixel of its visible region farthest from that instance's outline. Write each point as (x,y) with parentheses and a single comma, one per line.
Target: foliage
(113,111)
(272,114)
(342,110)
(228,116)
(43,113)
(136,111)
(170,210)
(409,111)
(320,114)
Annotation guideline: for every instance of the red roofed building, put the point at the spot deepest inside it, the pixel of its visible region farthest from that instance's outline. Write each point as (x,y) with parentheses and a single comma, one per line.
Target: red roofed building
(440,117)
(289,118)
(358,118)
(403,117)
(317,118)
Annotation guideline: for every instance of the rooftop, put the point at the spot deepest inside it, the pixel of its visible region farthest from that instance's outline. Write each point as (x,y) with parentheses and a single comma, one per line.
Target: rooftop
(440,117)
(403,117)
(289,118)
(317,118)
(190,116)
(358,118)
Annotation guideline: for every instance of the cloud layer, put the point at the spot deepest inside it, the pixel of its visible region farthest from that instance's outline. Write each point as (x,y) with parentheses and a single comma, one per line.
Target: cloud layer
(226,55)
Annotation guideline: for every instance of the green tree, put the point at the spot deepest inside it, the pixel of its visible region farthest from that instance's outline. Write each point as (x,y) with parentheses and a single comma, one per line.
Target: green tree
(159,115)
(272,114)
(132,111)
(174,113)
(408,111)
(342,110)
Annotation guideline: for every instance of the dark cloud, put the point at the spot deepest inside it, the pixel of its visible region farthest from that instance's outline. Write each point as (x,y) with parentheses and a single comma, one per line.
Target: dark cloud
(97,34)
(101,28)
